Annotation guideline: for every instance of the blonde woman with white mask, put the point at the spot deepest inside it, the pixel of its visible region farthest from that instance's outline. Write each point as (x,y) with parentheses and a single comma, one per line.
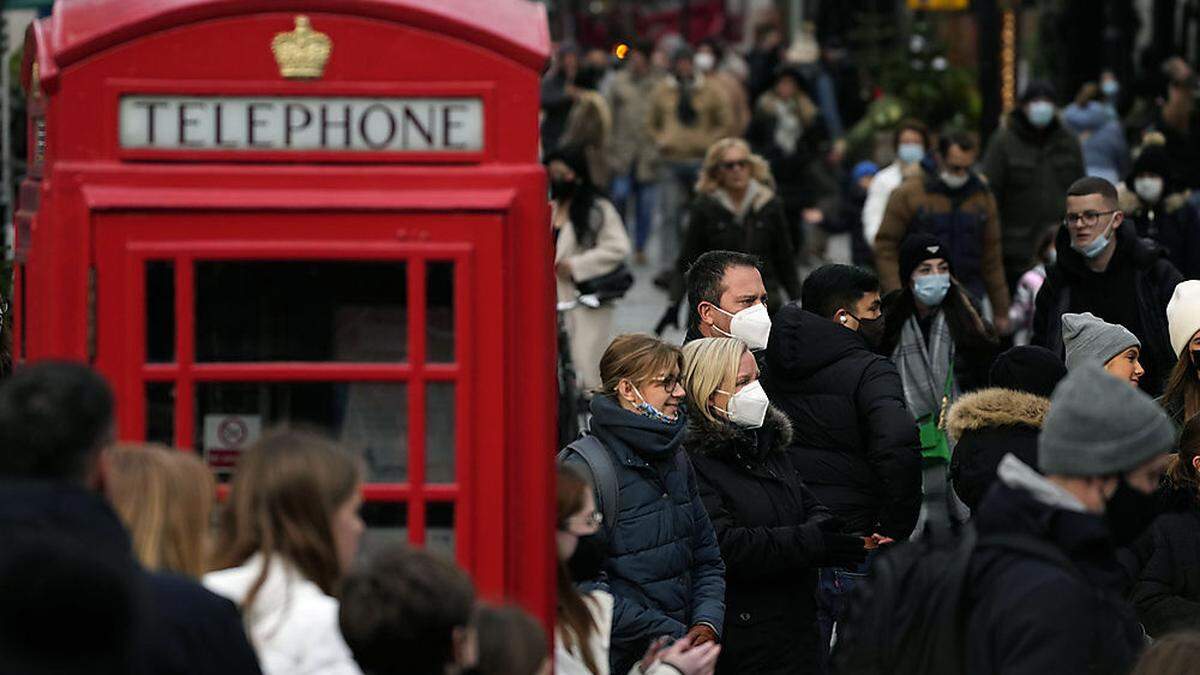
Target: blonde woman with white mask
(772,532)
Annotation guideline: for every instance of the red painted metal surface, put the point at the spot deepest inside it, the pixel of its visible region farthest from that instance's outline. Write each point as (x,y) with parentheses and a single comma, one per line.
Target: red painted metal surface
(92,214)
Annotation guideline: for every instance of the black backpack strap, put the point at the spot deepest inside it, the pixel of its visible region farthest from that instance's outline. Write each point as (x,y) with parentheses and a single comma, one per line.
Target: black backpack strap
(602,470)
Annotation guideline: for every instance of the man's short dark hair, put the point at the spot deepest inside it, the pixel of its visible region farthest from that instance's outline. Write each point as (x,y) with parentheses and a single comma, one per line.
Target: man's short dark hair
(961,139)
(1093,185)
(705,274)
(399,612)
(55,417)
(832,287)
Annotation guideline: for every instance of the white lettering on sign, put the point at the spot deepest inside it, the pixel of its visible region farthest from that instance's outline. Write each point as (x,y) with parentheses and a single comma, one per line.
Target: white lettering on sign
(278,123)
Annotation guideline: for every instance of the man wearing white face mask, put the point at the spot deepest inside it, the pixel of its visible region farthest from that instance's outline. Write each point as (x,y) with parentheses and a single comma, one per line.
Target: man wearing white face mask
(1029,163)
(1159,209)
(727,298)
(1106,269)
(951,203)
(772,531)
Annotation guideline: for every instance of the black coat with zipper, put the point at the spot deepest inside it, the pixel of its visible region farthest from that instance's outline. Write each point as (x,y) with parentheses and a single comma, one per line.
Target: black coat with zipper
(768,527)
(763,233)
(855,443)
(1167,592)
(1154,280)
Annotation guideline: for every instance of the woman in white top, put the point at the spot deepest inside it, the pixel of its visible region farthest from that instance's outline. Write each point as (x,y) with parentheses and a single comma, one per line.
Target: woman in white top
(584,620)
(288,533)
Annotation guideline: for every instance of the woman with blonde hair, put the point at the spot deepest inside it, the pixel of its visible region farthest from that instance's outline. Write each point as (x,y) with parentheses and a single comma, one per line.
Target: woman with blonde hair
(656,545)
(736,209)
(288,534)
(772,532)
(165,499)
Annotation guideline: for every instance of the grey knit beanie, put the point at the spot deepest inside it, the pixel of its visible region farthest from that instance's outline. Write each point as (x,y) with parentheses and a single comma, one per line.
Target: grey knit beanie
(1099,425)
(1089,339)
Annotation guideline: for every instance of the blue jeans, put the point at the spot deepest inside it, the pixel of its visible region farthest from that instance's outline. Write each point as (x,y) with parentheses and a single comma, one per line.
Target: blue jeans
(644,195)
(833,590)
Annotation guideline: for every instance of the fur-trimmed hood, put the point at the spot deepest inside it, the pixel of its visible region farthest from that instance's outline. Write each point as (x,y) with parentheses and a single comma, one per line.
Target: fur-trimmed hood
(989,408)
(722,440)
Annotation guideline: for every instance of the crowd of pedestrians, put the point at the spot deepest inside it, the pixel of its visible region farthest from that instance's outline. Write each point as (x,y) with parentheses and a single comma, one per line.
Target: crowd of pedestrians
(972,433)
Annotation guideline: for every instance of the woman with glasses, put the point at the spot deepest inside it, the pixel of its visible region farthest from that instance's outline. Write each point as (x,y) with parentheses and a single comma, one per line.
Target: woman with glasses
(583,621)
(772,531)
(736,209)
(658,554)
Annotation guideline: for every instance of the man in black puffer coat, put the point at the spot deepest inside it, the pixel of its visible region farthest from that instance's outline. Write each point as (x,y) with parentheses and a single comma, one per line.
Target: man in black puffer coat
(1127,281)
(855,442)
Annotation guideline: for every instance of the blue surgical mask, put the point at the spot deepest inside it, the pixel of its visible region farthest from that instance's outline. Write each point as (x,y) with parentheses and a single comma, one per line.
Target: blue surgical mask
(1110,88)
(931,289)
(1093,248)
(650,411)
(1040,113)
(910,153)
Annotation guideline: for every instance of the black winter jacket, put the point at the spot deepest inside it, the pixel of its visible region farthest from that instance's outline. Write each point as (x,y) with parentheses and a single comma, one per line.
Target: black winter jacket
(1031,615)
(768,526)
(764,233)
(855,442)
(1154,280)
(1175,224)
(1167,593)
(989,424)
(178,626)
(663,567)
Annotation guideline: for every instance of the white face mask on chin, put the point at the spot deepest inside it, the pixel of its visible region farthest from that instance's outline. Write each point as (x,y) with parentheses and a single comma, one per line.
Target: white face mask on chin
(751,325)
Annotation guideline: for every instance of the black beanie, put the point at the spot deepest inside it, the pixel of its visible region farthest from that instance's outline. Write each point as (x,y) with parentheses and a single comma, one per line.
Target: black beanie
(1152,159)
(1031,369)
(916,249)
(1038,89)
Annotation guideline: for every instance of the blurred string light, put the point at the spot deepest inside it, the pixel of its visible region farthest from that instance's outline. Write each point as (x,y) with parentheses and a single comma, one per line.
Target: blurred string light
(1008,59)
(620,50)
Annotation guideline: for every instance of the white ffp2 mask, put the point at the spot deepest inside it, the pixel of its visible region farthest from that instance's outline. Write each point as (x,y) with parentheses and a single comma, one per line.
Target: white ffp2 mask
(748,407)
(751,325)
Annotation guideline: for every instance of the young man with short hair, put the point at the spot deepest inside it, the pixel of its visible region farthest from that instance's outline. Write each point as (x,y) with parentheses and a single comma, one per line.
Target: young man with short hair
(1105,269)
(855,443)
(56,419)
(409,611)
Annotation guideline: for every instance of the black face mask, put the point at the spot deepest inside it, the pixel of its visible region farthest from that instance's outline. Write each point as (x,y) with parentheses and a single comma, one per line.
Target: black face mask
(870,329)
(1129,513)
(587,561)
(562,189)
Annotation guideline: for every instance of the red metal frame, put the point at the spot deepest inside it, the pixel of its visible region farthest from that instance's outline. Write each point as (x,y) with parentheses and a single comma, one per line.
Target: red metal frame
(92,214)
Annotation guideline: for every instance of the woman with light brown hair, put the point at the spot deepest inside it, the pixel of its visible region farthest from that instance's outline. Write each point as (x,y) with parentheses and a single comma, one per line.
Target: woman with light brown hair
(736,209)
(165,499)
(288,534)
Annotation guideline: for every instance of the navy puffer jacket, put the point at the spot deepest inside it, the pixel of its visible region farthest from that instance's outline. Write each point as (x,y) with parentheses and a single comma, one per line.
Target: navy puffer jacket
(663,566)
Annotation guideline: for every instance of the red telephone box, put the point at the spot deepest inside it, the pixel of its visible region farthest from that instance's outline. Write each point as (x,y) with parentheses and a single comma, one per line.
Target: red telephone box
(255,212)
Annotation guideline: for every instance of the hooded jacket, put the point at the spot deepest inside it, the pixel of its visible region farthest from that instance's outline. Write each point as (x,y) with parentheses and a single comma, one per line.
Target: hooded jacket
(768,526)
(965,220)
(1029,171)
(987,425)
(1173,221)
(1105,153)
(761,232)
(663,564)
(1154,280)
(1032,615)
(855,443)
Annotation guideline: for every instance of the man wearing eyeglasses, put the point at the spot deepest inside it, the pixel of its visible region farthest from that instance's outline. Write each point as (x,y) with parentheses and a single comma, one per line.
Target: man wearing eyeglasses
(1109,271)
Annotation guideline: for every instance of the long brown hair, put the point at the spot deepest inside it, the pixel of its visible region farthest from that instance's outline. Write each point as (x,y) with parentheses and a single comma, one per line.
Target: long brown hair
(1181,472)
(573,621)
(284,494)
(1183,387)
(165,499)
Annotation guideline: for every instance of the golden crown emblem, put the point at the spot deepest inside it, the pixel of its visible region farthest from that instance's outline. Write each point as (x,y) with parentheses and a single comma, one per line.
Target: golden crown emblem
(302,53)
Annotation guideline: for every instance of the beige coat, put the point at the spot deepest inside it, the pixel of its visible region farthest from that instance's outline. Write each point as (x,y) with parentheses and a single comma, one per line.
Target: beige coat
(589,125)
(589,329)
(714,120)
(631,147)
